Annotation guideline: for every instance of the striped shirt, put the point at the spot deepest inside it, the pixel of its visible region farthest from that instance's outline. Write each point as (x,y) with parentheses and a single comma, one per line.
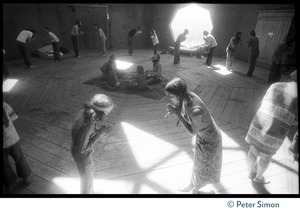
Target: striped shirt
(273,120)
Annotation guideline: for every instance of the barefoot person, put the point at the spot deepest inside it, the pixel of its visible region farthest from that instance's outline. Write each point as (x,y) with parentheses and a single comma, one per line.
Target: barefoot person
(195,117)
(85,135)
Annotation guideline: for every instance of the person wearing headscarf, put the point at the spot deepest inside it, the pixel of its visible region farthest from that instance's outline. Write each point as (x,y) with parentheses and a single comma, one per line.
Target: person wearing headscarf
(87,129)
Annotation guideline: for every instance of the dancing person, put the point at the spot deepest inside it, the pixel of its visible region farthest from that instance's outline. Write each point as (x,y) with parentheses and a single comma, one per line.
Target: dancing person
(74,37)
(180,38)
(102,37)
(55,44)
(85,134)
(253,43)
(12,147)
(108,70)
(279,58)
(154,75)
(139,81)
(230,50)
(25,37)
(131,34)
(195,117)
(210,44)
(270,125)
(155,40)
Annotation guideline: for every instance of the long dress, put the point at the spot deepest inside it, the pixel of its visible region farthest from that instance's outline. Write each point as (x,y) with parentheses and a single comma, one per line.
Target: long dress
(208,147)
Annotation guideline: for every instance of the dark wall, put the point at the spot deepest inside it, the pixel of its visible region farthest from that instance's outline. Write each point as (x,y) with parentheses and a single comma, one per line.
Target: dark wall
(227,19)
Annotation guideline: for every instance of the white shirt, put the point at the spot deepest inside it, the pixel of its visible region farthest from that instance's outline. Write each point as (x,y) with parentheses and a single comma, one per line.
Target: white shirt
(154,39)
(10,135)
(24,36)
(101,34)
(75,30)
(210,41)
(53,37)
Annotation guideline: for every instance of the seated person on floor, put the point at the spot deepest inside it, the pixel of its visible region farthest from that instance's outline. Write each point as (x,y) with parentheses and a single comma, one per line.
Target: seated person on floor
(109,73)
(139,81)
(154,75)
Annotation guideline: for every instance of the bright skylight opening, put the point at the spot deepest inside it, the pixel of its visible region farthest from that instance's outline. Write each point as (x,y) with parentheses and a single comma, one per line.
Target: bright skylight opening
(8,84)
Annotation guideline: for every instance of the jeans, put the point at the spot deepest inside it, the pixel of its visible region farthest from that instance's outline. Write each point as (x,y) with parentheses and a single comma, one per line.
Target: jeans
(155,48)
(24,52)
(102,44)
(210,56)
(75,45)
(85,166)
(176,53)
(22,167)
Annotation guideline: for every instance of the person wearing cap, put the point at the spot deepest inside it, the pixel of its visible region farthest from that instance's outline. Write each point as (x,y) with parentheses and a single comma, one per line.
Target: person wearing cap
(109,74)
(154,75)
(139,81)
(86,133)
(24,37)
(270,126)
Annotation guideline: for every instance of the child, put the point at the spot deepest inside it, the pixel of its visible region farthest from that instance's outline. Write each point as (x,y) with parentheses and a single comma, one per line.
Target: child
(154,75)
(139,82)
(12,147)
(155,41)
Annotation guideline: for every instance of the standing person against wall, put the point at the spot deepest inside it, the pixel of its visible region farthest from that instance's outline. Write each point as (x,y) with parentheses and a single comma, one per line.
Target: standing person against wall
(12,147)
(131,34)
(74,37)
(253,43)
(25,36)
(85,134)
(279,58)
(211,44)
(55,44)
(270,126)
(155,41)
(180,38)
(230,50)
(102,37)
(195,117)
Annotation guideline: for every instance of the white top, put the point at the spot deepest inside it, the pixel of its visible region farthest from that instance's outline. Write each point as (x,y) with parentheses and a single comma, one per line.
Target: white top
(24,36)
(101,33)
(154,39)
(210,41)
(53,37)
(75,30)
(10,135)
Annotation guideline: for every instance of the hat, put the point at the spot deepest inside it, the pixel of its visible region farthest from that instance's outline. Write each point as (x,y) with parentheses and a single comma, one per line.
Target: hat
(101,102)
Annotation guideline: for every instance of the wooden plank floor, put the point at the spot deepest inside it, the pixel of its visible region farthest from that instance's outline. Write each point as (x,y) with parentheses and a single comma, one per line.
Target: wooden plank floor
(145,153)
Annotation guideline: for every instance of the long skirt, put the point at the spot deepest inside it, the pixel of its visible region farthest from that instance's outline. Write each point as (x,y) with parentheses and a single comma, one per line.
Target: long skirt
(207,162)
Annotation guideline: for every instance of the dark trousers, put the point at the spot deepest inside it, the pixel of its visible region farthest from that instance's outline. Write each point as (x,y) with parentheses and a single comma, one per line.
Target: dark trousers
(176,53)
(210,56)
(85,166)
(130,49)
(252,60)
(155,48)
(22,167)
(56,51)
(24,52)
(275,73)
(75,45)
